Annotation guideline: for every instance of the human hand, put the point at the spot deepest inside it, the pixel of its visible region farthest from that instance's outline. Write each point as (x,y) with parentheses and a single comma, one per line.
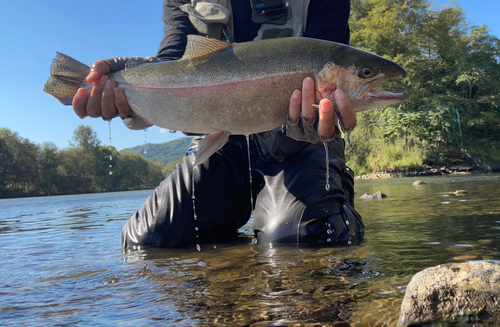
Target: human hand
(105,100)
(302,107)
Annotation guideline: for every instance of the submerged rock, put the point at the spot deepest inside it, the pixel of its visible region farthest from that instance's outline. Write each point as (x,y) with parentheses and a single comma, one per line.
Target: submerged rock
(379,195)
(453,292)
(366,196)
(376,195)
(418,182)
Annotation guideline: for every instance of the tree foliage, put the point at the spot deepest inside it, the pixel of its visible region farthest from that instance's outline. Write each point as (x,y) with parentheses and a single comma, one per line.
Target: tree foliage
(28,169)
(452,67)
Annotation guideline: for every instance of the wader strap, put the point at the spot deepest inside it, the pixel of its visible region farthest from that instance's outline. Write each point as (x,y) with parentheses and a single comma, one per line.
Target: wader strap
(210,17)
(214,19)
(294,25)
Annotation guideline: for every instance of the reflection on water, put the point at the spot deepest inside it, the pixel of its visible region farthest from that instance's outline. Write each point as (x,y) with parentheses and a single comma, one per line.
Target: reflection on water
(62,261)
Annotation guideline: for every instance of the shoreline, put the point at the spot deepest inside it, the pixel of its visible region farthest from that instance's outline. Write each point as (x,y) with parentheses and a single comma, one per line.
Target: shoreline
(421,173)
(470,164)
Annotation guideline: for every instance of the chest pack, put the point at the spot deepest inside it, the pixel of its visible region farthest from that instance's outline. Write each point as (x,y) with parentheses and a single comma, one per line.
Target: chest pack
(278,18)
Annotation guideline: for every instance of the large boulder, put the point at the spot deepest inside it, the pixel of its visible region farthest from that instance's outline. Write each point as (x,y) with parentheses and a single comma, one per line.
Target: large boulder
(467,291)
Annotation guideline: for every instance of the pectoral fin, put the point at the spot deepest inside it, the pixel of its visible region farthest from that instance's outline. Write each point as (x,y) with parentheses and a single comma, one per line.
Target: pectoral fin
(209,145)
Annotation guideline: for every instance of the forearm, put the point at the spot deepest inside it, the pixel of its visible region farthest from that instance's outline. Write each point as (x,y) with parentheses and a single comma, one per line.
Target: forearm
(176,29)
(120,63)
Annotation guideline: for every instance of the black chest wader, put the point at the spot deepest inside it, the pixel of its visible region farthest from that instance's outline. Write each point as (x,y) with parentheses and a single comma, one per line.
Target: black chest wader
(291,203)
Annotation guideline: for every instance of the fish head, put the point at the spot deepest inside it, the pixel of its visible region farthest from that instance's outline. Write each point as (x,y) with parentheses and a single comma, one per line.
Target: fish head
(357,73)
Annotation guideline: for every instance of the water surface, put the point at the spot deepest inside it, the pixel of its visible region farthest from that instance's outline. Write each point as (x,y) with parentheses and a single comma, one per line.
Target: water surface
(62,262)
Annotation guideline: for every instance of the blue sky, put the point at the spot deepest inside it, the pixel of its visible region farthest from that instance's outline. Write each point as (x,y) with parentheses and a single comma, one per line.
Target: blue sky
(32,31)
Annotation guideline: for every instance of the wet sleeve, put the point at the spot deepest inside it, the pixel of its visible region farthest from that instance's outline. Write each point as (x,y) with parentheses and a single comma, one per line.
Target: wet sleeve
(119,63)
(177,28)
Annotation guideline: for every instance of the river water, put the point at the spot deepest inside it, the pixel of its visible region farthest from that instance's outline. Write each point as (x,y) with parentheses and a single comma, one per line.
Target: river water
(62,262)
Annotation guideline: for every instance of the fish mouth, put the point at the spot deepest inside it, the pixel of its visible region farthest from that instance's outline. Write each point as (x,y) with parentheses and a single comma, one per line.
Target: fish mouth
(370,91)
(386,95)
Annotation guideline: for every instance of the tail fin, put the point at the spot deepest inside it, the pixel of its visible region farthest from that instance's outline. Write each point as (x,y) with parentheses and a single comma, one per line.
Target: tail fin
(67,75)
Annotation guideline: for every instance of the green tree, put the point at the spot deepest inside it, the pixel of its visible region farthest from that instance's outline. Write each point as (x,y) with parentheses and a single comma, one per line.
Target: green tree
(48,163)
(19,164)
(85,138)
(450,65)
(154,177)
(132,169)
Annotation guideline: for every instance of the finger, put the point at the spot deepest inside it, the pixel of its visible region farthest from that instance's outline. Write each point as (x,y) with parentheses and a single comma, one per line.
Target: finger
(308,99)
(326,124)
(121,103)
(295,102)
(345,108)
(94,103)
(80,103)
(108,100)
(98,69)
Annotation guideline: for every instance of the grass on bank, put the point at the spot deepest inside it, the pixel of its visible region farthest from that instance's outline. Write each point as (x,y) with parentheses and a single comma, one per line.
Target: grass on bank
(382,155)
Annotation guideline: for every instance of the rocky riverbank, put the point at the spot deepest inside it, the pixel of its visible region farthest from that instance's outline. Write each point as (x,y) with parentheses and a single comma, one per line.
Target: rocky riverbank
(470,164)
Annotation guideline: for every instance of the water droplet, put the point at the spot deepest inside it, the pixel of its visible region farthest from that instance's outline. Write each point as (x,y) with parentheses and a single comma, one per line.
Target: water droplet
(198,247)
(349,242)
(109,124)
(110,166)
(327,164)
(250,171)
(195,217)
(110,157)
(110,173)
(215,246)
(328,239)
(328,231)
(347,222)
(144,151)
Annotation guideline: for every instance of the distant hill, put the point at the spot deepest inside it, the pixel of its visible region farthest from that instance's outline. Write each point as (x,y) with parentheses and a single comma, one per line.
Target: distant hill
(162,152)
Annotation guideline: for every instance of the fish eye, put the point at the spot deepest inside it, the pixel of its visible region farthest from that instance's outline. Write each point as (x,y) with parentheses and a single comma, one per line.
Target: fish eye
(366,72)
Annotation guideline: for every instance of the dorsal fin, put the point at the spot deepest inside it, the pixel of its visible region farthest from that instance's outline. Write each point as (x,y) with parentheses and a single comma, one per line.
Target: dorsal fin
(198,46)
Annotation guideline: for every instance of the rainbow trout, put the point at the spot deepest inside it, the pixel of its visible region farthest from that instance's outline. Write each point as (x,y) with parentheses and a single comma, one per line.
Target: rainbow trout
(219,89)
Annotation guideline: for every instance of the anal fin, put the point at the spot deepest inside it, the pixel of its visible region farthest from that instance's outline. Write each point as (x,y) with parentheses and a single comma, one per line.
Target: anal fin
(209,145)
